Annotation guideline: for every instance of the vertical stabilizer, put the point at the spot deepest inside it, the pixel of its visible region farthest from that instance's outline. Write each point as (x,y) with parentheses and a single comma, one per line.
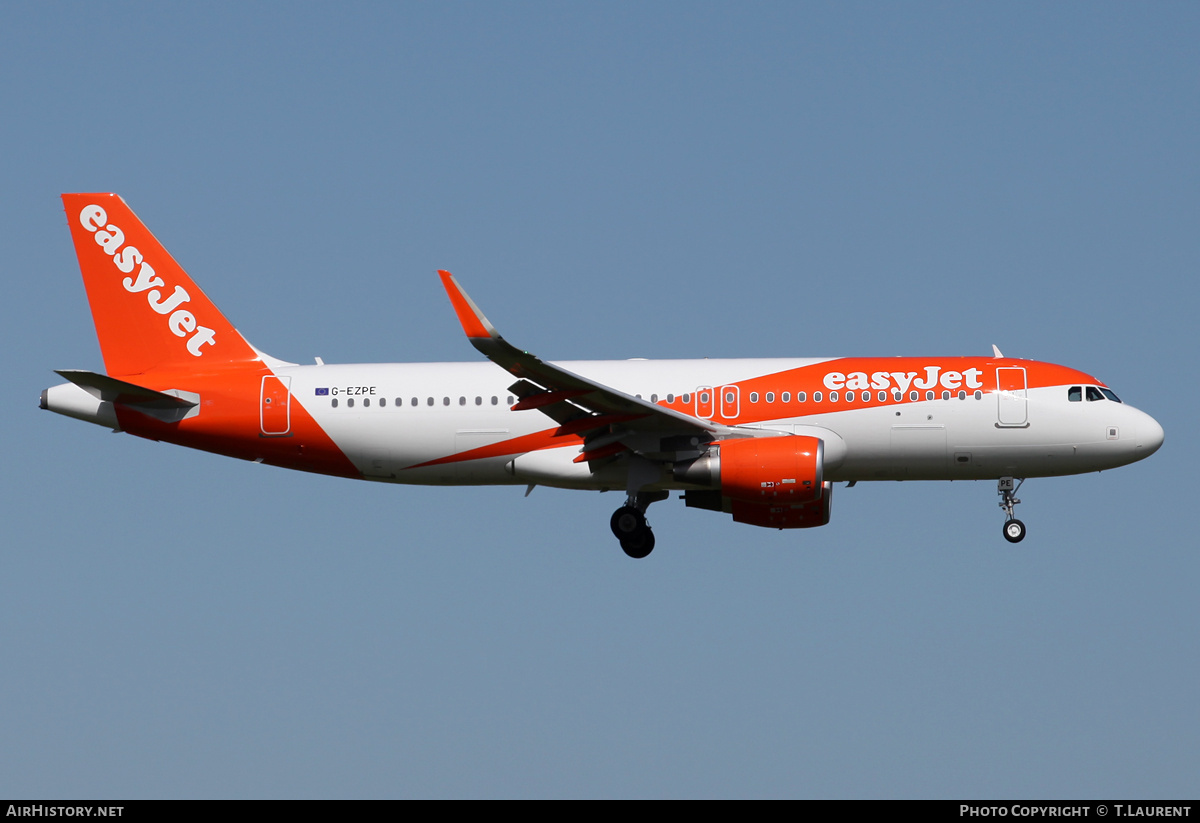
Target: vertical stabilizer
(148,313)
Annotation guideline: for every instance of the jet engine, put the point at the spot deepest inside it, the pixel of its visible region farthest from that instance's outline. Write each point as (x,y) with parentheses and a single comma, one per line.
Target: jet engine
(776,482)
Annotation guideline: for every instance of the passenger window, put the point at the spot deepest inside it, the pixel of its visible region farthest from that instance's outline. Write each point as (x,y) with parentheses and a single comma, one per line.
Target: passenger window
(334,402)
(897,396)
(383,401)
(849,397)
(670,398)
(654,398)
(478,400)
(770,397)
(928,395)
(962,395)
(945,395)
(785,397)
(816,397)
(366,401)
(912,395)
(495,400)
(1075,394)
(462,401)
(978,394)
(445,401)
(415,402)
(833,397)
(800,397)
(350,403)
(753,397)
(882,397)
(1093,393)
(429,402)
(511,400)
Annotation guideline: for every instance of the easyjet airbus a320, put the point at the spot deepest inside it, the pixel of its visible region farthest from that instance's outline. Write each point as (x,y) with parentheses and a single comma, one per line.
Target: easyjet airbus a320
(761,440)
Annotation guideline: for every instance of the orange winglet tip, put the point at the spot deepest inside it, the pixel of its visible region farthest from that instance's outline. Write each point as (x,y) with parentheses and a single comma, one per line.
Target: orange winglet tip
(473,322)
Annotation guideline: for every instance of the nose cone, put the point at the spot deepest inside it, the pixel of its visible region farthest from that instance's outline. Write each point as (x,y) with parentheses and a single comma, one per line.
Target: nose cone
(1149,436)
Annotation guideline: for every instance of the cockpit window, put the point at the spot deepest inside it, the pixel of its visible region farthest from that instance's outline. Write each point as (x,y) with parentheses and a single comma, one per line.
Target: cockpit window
(1111,395)
(1093,393)
(1075,394)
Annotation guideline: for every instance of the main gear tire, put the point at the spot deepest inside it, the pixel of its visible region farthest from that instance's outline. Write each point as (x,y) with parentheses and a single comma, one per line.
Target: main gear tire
(639,545)
(626,522)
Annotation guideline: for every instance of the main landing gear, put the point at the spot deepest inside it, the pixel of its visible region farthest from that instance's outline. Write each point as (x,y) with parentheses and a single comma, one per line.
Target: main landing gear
(1014,529)
(629,524)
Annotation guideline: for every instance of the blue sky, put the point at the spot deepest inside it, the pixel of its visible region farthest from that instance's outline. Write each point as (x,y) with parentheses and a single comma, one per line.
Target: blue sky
(608,181)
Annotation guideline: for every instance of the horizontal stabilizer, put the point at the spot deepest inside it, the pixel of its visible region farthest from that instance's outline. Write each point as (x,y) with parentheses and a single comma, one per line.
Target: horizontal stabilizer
(103,387)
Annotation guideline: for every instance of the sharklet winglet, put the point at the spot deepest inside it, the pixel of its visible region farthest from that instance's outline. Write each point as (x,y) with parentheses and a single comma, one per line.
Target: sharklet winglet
(473,321)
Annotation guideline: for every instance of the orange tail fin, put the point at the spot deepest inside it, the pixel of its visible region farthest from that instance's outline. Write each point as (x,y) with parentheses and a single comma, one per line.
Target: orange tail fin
(148,313)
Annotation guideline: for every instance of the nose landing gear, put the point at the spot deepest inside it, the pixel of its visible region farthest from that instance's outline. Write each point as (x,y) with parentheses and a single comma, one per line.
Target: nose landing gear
(1014,529)
(629,524)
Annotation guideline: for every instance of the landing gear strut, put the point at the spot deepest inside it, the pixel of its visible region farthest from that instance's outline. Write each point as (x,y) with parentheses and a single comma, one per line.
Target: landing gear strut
(629,524)
(1014,529)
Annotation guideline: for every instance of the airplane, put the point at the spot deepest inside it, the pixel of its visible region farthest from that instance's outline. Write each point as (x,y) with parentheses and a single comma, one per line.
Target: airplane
(762,440)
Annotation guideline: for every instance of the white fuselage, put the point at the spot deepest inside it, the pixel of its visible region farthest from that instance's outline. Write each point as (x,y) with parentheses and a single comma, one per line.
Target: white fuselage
(390,418)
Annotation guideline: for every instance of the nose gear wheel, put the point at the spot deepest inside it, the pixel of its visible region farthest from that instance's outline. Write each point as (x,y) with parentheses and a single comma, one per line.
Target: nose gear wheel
(1014,529)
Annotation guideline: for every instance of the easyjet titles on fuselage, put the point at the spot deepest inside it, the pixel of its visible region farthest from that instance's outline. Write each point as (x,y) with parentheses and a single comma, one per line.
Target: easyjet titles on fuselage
(858,380)
(180,321)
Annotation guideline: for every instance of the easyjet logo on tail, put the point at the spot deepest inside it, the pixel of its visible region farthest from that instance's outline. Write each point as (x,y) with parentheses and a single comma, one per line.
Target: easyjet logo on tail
(179,320)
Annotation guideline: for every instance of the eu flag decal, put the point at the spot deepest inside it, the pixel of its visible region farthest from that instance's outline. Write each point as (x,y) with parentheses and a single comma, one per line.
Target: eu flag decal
(322,392)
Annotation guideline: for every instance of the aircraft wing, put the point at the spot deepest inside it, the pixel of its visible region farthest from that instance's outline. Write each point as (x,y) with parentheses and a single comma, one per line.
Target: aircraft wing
(579,405)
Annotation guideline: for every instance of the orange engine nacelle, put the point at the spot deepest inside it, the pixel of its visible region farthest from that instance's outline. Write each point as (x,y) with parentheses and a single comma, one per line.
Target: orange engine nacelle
(777,470)
(776,482)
